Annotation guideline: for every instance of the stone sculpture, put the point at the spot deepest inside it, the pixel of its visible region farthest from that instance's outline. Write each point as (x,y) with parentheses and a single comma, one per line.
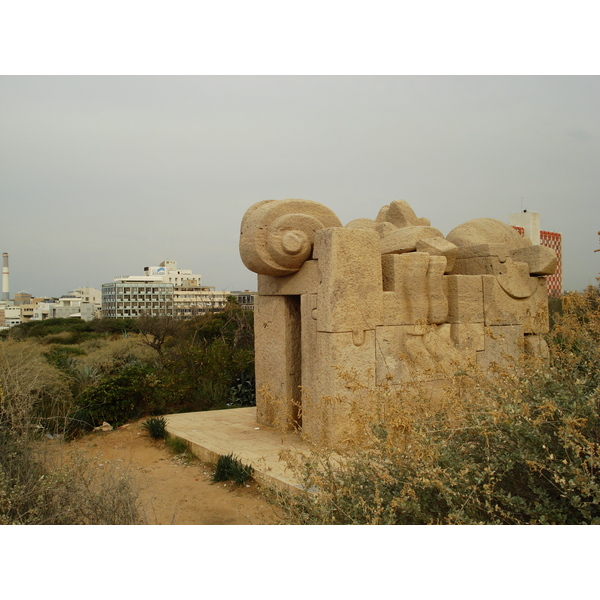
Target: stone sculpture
(386,299)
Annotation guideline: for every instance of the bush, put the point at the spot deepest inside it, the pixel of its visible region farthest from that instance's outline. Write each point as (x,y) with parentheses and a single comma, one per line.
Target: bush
(243,391)
(156,427)
(117,398)
(34,394)
(36,491)
(33,488)
(521,448)
(230,468)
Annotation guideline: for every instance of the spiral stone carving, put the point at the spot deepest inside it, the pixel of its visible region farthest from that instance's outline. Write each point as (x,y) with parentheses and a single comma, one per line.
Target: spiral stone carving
(277,236)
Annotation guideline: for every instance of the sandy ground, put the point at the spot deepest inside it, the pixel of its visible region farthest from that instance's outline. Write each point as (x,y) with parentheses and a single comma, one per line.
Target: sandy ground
(173,490)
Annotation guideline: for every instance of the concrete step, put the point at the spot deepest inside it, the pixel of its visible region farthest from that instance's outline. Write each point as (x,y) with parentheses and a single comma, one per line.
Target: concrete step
(210,434)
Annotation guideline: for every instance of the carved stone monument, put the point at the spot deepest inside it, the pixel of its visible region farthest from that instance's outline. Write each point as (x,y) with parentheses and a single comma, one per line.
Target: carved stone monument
(386,300)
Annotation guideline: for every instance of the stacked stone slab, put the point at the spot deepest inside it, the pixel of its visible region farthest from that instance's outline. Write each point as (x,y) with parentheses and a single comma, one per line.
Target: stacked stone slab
(381,302)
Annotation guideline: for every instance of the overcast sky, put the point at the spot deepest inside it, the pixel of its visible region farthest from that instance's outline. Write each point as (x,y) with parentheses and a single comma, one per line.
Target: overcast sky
(102,176)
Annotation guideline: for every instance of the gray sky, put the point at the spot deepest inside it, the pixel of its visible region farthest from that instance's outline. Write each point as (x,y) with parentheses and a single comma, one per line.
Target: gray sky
(102,176)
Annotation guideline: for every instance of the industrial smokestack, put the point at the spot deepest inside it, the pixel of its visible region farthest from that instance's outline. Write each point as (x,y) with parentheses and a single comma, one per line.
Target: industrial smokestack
(5,288)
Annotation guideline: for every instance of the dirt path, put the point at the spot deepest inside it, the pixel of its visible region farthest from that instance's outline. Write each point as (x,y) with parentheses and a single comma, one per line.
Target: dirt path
(173,490)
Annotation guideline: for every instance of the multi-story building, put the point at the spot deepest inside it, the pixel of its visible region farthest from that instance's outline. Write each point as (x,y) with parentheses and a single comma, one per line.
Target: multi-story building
(191,298)
(136,296)
(528,225)
(245,299)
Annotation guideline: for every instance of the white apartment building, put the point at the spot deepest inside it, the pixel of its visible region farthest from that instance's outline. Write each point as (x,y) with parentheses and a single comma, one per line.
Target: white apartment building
(136,296)
(191,298)
(163,290)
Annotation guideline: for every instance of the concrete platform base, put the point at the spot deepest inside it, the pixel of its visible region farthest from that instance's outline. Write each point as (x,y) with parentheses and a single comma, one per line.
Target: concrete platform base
(221,432)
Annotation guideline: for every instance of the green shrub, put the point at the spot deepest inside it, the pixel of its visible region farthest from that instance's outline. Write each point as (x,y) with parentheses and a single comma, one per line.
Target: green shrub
(156,427)
(230,468)
(178,446)
(243,391)
(118,398)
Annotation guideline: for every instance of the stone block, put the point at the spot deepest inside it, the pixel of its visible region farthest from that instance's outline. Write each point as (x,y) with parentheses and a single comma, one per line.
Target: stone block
(405,239)
(500,251)
(535,345)
(350,295)
(340,363)
(465,298)
(401,214)
(503,346)
(487,231)
(540,259)
(404,354)
(384,228)
(405,299)
(476,265)
(468,336)
(502,309)
(439,247)
(277,360)
(436,294)
(305,281)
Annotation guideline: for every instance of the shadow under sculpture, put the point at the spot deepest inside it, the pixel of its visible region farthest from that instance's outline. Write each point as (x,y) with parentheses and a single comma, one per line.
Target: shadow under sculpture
(381,302)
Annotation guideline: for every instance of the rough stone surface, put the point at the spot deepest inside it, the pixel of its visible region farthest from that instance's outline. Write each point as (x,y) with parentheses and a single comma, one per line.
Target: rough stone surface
(350,292)
(487,231)
(305,281)
(277,236)
(405,239)
(503,343)
(439,247)
(401,214)
(465,298)
(501,309)
(344,311)
(540,259)
(277,360)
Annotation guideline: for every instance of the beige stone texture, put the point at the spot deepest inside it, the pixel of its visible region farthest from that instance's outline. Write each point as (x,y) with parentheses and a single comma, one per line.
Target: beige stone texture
(405,285)
(344,310)
(541,259)
(512,276)
(305,281)
(503,346)
(439,247)
(436,293)
(277,236)
(362,224)
(400,355)
(465,298)
(400,213)
(350,294)
(382,214)
(500,251)
(405,239)
(312,418)
(385,228)
(468,336)
(487,231)
(478,265)
(277,360)
(502,309)
(405,355)
(339,363)
(535,345)
(515,279)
